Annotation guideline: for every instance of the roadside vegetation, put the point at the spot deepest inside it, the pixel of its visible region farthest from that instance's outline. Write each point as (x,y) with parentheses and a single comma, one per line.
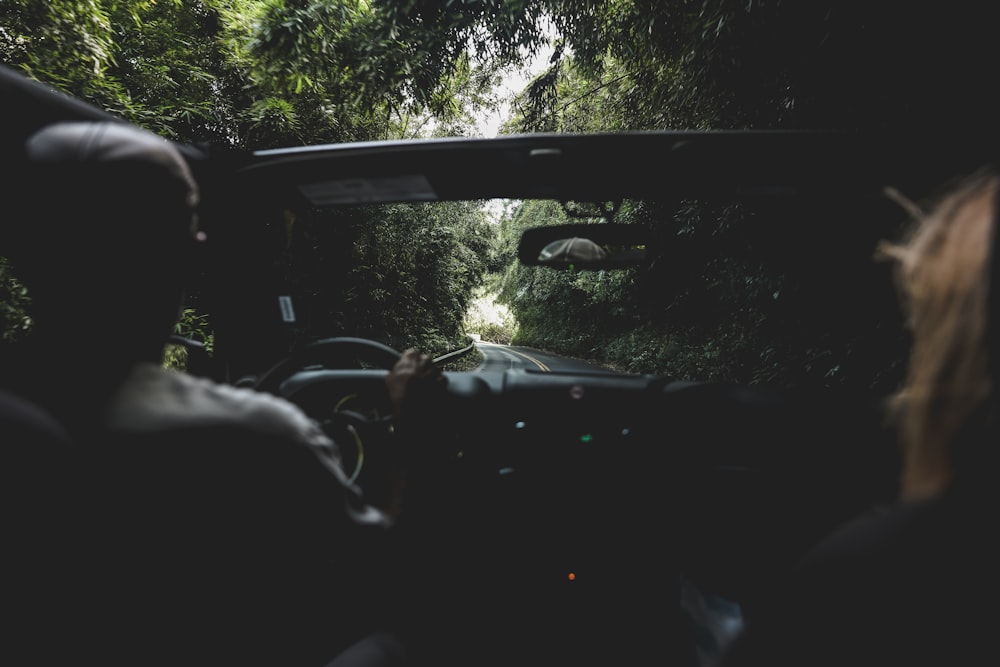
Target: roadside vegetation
(254,74)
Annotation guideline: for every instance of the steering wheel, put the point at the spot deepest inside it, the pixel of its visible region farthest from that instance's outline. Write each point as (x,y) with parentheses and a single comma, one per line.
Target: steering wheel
(338,352)
(362,435)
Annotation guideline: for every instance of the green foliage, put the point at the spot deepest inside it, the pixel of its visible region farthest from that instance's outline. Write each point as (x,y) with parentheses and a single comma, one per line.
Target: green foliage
(15,323)
(196,326)
(561,311)
(437,36)
(723,299)
(359,70)
(490,320)
(70,44)
(175,357)
(405,274)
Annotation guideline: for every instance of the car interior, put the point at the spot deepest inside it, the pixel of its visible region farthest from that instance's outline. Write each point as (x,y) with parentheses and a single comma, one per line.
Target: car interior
(557,515)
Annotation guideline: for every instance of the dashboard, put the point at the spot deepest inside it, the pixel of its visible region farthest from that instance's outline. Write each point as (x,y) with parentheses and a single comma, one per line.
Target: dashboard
(568,508)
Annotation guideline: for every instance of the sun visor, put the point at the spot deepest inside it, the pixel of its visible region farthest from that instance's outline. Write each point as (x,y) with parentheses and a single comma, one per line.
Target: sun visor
(406,188)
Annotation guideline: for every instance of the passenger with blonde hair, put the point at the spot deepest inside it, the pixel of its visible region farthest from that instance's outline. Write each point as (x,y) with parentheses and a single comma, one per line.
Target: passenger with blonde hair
(916,583)
(944,273)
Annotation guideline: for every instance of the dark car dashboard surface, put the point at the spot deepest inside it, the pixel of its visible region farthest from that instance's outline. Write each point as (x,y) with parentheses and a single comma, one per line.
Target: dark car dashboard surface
(561,513)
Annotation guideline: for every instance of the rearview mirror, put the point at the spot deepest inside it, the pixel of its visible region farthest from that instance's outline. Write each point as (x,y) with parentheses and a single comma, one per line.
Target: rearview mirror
(584,246)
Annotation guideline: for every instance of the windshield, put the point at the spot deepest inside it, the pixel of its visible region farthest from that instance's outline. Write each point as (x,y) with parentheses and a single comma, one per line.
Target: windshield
(780,291)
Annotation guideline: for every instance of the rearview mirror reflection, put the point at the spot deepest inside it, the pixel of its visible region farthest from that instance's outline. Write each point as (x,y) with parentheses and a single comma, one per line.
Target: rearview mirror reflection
(582,247)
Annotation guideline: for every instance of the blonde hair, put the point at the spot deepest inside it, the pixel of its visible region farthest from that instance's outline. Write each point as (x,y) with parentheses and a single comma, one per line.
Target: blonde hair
(943,274)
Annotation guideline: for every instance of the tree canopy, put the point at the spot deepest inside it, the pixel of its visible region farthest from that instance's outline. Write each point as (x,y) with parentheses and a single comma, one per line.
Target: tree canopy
(262,73)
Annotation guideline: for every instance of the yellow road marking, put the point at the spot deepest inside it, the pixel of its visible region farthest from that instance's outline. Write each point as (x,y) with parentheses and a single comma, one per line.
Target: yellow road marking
(536,362)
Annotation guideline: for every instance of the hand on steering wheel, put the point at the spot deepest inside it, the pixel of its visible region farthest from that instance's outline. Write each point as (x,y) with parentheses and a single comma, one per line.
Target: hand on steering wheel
(413,378)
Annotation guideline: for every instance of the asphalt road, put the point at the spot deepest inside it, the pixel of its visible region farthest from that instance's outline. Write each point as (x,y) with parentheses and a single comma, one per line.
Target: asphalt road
(502,357)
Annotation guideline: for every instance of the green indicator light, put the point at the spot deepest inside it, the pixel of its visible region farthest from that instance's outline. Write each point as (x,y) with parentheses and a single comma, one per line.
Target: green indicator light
(586,437)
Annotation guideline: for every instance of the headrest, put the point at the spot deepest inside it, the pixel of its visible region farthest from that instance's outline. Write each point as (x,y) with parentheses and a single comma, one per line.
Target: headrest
(99,196)
(110,142)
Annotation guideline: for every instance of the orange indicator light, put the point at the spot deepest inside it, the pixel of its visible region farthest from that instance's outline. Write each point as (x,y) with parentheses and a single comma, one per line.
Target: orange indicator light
(571,576)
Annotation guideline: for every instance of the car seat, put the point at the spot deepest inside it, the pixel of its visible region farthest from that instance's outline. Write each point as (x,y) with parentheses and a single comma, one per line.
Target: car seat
(36,498)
